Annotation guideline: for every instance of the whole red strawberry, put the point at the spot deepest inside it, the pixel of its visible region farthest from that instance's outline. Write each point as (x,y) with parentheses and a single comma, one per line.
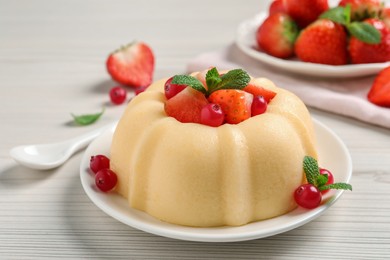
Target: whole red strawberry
(379,93)
(277,34)
(362,9)
(132,65)
(322,42)
(361,52)
(277,6)
(305,12)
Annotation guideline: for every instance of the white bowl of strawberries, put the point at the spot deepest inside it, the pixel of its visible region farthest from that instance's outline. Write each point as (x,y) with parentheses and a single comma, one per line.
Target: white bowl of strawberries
(309,37)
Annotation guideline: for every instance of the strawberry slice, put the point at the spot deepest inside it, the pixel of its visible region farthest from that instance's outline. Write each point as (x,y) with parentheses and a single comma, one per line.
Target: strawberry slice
(186,106)
(257,90)
(379,93)
(235,104)
(132,65)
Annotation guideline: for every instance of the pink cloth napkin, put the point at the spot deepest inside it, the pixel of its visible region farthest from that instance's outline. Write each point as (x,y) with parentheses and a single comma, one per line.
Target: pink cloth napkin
(342,96)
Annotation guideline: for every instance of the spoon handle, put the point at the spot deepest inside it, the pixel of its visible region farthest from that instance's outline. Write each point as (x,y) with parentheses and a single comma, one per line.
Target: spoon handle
(82,141)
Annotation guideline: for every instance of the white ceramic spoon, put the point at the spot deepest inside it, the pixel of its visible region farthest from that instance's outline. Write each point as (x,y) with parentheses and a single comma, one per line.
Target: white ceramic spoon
(49,156)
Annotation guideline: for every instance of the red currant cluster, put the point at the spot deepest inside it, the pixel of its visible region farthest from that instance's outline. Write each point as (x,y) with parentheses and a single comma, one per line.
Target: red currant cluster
(105,178)
(308,195)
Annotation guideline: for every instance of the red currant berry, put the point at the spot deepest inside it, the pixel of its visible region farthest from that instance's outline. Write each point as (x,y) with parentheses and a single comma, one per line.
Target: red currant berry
(259,105)
(307,196)
(211,115)
(330,178)
(118,95)
(106,180)
(139,90)
(99,162)
(172,89)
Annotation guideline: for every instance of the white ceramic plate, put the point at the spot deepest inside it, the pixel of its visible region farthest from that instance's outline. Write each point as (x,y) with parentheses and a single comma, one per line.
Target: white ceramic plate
(332,153)
(246,41)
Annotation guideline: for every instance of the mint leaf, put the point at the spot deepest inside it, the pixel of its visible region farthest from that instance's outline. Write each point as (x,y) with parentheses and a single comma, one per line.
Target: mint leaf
(322,179)
(88,118)
(234,79)
(338,15)
(189,81)
(365,32)
(337,186)
(212,78)
(310,167)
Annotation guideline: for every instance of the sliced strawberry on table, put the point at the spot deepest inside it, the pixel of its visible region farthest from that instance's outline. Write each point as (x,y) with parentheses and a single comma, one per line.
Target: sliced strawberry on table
(186,106)
(362,9)
(277,34)
(324,42)
(305,12)
(235,104)
(363,52)
(132,65)
(257,90)
(379,93)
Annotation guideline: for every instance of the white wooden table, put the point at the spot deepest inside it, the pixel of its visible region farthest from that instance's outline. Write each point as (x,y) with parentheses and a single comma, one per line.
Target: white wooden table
(52,56)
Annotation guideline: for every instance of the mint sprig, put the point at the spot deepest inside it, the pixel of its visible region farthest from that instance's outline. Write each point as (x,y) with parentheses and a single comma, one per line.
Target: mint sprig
(363,31)
(313,176)
(212,78)
(189,81)
(87,119)
(234,79)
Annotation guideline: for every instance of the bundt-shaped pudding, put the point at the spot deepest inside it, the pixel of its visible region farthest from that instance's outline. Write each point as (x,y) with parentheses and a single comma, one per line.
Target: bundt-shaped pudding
(193,168)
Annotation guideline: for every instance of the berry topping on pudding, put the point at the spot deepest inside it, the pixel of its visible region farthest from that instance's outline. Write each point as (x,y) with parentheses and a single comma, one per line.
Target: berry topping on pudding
(237,96)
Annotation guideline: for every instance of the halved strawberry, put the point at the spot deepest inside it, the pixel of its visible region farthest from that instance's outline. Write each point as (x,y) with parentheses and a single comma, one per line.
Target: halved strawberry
(132,65)
(277,34)
(235,104)
(361,52)
(379,93)
(186,106)
(257,90)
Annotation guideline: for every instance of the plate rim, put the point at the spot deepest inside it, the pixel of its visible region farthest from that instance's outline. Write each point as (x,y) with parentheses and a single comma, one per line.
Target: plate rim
(296,66)
(224,234)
